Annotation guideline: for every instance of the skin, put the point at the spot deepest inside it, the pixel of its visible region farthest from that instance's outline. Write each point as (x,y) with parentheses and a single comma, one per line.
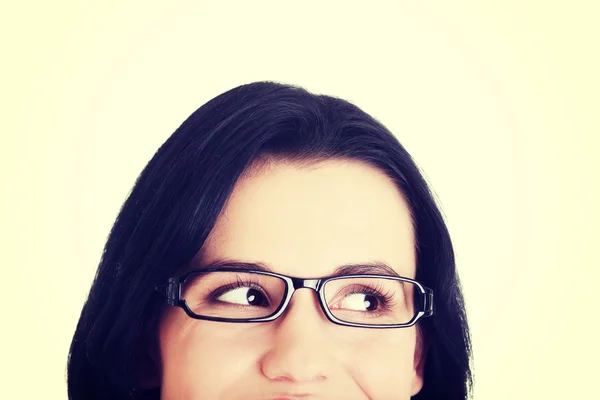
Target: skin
(301,221)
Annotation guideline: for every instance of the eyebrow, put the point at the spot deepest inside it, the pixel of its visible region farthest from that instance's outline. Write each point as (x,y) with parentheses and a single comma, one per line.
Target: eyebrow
(374,268)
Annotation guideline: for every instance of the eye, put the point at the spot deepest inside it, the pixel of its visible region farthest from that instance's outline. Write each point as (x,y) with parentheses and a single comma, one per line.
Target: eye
(358,302)
(247,296)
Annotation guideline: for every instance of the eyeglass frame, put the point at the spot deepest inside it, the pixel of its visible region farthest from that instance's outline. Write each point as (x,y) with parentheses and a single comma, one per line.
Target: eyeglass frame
(173,288)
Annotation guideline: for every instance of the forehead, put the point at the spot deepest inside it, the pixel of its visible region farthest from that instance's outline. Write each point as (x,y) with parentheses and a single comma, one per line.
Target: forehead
(307,220)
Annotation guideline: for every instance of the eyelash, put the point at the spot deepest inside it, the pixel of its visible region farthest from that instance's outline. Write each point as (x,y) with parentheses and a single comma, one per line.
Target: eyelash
(384,298)
(239,283)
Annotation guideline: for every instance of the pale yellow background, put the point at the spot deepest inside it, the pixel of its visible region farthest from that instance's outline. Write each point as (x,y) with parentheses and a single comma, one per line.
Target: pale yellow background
(497,101)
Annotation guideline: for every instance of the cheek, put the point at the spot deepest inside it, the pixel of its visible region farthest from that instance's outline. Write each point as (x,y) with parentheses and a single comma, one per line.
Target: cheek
(203,359)
(383,365)
(210,360)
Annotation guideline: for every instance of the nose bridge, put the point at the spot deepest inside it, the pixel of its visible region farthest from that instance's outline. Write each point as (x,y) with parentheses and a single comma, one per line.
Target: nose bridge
(311,284)
(311,309)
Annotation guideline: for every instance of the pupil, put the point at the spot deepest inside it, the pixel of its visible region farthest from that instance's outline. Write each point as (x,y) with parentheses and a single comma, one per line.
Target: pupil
(254,297)
(371,303)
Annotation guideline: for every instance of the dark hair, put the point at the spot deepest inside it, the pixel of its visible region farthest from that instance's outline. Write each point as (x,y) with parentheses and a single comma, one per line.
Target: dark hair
(178,196)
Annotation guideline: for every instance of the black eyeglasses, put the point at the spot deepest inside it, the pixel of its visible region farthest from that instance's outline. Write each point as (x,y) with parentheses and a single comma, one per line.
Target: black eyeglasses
(241,295)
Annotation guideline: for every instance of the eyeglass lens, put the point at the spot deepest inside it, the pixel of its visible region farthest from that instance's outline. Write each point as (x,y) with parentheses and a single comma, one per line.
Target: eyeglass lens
(246,295)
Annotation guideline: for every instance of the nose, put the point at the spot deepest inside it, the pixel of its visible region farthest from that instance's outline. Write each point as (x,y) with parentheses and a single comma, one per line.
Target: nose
(300,351)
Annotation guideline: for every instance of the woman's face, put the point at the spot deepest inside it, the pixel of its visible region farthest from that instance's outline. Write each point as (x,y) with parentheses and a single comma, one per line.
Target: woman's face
(303,222)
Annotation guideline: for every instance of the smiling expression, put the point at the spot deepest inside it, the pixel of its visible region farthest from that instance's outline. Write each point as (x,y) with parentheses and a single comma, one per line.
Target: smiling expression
(302,221)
